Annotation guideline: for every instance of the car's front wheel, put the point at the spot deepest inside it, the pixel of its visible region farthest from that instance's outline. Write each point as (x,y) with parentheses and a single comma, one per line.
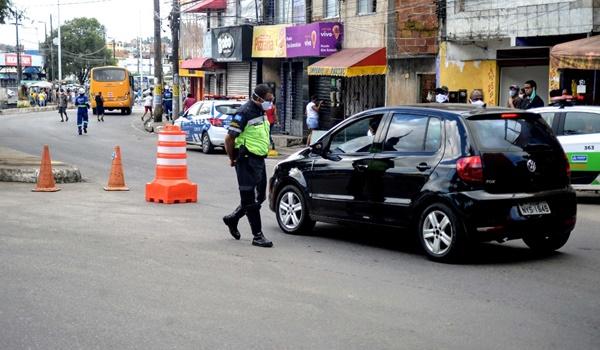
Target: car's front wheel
(441,233)
(292,211)
(207,146)
(547,243)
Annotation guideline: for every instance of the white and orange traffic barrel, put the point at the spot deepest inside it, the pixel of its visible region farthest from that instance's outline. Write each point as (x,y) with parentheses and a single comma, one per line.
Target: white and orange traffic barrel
(171,184)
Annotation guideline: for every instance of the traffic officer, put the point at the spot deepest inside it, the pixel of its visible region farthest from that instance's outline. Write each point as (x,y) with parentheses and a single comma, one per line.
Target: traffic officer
(168,103)
(247,145)
(83,103)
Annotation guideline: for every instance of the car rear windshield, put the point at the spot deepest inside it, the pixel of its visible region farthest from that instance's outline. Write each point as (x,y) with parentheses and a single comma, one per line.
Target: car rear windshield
(109,74)
(228,109)
(512,135)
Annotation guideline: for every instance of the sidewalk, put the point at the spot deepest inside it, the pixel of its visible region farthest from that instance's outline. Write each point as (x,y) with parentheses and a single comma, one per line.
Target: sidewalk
(8,111)
(17,166)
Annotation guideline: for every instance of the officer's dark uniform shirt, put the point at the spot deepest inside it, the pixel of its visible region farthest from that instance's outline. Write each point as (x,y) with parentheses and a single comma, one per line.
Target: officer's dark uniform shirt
(246,112)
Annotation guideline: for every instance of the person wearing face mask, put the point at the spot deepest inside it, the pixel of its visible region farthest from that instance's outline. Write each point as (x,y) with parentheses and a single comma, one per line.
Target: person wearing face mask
(531,99)
(514,99)
(441,95)
(477,98)
(247,145)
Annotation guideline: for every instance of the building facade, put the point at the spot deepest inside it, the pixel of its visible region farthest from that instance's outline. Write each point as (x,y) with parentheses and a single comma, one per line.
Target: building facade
(490,45)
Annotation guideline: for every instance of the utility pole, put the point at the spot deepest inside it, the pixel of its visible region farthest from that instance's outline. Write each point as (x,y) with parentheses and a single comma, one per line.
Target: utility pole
(18,15)
(158,74)
(114,54)
(59,47)
(51,65)
(175,55)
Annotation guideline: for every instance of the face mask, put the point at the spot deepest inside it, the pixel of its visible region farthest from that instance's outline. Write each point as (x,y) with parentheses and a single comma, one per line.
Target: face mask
(521,95)
(266,105)
(440,98)
(370,133)
(479,103)
(512,93)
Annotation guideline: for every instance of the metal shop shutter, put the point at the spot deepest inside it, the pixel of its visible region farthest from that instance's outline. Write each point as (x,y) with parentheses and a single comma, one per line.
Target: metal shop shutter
(238,80)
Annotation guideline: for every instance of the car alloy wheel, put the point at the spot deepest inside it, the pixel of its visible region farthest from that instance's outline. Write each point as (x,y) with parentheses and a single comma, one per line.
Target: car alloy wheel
(437,232)
(290,210)
(207,147)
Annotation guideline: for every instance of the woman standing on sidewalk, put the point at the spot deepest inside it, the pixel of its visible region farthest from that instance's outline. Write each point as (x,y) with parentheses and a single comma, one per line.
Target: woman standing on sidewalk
(63,101)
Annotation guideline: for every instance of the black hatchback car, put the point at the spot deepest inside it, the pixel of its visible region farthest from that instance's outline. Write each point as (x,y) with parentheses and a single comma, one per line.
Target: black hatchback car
(454,174)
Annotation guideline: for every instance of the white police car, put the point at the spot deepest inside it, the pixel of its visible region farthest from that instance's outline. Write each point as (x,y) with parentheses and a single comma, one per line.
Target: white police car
(205,122)
(578,130)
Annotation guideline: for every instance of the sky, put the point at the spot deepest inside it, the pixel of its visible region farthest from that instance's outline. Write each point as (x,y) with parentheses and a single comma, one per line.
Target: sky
(123,19)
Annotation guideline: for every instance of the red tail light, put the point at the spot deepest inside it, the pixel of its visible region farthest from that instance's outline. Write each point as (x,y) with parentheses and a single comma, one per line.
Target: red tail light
(567,165)
(469,169)
(509,115)
(215,121)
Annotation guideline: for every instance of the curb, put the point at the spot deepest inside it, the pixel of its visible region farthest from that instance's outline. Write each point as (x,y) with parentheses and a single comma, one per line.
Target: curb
(18,166)
(10,111)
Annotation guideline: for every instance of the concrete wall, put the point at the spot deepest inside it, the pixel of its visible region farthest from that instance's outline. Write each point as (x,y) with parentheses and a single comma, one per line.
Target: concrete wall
(488,19)
(270,71)
(479,74)
(402,81)
(368,30)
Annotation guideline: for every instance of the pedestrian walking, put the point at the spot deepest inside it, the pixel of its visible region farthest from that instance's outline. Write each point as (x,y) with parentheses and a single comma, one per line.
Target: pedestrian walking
(99,106)
(63,100)
(312,116)
(168,103)
(147,105)
(531,99)
(188,102)
(272,117)
(247,145)
(82,103)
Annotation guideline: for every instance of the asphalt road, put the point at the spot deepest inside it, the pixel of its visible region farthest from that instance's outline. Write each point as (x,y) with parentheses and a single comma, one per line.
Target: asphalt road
(87,269)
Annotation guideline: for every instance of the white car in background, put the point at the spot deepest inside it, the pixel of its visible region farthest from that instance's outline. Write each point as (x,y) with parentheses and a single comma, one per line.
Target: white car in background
(578,130)
(205,122)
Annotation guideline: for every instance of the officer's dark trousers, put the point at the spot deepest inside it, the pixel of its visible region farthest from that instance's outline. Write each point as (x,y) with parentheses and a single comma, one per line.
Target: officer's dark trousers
(252,181)
(82,119)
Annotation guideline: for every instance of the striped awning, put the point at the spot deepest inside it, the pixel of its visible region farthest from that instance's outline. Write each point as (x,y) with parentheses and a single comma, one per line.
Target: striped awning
(352,63)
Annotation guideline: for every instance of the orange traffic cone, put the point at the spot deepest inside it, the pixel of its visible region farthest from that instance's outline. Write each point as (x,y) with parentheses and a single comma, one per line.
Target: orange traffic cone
(171,184)
(45,181)
(116,179)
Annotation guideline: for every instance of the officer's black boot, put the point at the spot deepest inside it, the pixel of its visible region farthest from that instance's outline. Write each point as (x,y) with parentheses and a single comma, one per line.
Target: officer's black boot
(79,129)
(232,220)
(261,241)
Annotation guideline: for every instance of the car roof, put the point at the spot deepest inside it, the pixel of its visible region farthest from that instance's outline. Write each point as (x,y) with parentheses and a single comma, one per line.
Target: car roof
(463,109)
(224,102)
(589,109)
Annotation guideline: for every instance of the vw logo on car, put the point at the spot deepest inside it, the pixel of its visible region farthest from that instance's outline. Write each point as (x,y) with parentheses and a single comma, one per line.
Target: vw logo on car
(531,166)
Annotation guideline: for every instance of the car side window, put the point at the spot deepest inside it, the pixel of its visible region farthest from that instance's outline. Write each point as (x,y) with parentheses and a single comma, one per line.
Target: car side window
(205,109)
(194,109)
(581,123)
(356,137)
(548,117)
(413,133)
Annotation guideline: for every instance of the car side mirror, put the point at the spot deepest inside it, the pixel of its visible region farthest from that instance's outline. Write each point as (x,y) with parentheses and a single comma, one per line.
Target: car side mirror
(317,148)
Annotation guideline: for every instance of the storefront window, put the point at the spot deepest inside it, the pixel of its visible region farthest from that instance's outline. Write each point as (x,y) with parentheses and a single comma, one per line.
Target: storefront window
(331,8)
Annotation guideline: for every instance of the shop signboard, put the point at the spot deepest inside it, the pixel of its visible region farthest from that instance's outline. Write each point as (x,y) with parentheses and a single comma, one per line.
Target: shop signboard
(231,44)
(314,40)
(268,41)
(10,59)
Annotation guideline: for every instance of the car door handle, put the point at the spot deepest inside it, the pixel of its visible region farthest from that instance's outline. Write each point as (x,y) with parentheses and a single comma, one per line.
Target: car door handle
(361,166)
(423,167)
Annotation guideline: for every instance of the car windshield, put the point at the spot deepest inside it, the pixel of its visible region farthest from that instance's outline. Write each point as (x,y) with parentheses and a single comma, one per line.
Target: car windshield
(227,109)
(510,135)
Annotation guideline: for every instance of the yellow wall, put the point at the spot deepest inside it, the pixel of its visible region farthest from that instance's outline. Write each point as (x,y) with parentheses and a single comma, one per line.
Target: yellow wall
(470,75)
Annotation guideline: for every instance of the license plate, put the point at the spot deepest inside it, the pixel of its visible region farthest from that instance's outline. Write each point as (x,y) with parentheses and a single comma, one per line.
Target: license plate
(538,208)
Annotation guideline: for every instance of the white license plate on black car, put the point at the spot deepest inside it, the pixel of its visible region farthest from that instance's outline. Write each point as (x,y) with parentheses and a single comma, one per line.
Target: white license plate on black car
(536,208)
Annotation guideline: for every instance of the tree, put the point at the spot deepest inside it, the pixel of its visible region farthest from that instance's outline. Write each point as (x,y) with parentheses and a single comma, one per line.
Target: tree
(83,47)
(4,10)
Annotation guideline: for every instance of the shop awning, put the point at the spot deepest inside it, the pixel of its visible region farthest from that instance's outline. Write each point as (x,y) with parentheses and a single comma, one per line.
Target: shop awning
(205,5)
(577,54)
(352,63)
(198,63)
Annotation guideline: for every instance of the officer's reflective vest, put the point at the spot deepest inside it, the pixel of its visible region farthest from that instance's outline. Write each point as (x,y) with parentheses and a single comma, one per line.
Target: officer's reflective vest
(255,136)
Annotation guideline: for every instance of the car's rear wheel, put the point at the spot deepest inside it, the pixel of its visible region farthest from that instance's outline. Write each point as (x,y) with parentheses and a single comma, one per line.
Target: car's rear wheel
(441,233)
(207,146)
(547,243)
(292,212)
